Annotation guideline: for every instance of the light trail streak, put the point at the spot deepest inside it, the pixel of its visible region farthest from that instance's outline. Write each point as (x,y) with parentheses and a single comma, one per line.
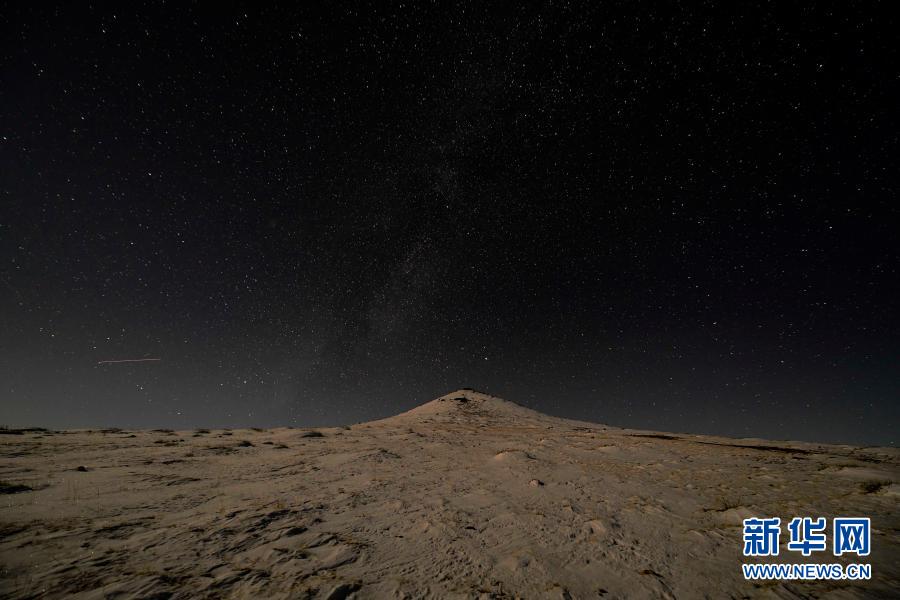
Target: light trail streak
(128,360)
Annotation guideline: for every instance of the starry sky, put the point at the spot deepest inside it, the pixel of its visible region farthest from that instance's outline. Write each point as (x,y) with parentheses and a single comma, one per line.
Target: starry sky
(675,218)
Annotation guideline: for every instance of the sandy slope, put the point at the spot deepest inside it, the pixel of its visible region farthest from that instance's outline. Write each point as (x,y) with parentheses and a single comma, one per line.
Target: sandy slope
(466,496)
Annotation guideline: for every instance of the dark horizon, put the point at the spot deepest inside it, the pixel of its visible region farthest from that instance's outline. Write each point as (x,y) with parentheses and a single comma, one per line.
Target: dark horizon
(677,220)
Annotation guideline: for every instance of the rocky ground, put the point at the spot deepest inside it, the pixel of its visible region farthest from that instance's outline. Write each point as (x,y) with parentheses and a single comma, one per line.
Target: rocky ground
(466,496)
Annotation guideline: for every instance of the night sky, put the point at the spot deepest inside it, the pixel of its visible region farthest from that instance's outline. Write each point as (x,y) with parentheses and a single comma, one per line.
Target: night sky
(681,220)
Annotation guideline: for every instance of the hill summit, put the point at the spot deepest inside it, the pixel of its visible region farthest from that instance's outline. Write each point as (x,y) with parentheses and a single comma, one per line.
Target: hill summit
(468,406)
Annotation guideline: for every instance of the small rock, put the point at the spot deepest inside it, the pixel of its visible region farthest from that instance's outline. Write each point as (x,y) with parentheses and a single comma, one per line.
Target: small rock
(595,527)
(81,469)
(535,483)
